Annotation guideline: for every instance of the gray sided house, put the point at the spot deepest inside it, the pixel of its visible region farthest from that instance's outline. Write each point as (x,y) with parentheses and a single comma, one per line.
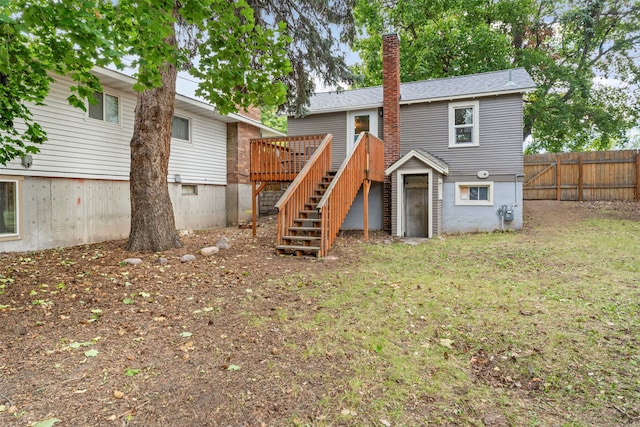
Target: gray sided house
(459,164)
(76,189)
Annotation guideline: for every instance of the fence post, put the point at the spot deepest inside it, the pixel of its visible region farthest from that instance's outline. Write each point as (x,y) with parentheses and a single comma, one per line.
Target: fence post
(638,176)
(580,179)
(558,179)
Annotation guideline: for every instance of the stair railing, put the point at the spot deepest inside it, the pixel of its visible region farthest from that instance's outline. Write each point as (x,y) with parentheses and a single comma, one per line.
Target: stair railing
(365,163)
(303,186)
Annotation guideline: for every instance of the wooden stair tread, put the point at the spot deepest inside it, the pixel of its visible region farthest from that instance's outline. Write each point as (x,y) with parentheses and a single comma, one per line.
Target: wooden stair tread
(298,248)
(309,238)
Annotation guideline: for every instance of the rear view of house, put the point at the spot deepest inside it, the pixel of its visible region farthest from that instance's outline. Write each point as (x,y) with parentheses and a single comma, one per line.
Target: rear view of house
(453,148)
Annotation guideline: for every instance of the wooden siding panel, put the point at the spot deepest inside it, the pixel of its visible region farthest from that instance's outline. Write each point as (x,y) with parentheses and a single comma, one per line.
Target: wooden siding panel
(317,124)
(426,126)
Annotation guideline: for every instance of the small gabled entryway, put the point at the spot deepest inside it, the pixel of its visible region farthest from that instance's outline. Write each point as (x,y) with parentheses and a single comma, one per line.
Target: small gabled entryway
(416,188)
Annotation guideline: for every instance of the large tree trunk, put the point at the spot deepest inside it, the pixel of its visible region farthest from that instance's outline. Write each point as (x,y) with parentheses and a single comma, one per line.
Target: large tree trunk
(152,222)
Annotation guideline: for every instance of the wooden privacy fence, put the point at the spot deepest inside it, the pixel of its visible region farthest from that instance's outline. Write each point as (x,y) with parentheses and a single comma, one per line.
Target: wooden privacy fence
(593,175)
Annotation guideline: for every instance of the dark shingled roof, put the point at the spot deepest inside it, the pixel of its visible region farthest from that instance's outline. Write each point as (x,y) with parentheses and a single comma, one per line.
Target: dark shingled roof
(516,80)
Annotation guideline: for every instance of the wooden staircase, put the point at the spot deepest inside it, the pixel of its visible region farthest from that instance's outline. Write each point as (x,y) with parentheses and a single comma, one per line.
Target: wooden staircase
(318,199)
(304,237)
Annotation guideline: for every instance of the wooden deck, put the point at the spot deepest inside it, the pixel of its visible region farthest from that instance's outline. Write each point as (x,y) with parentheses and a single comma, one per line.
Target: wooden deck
(316,203)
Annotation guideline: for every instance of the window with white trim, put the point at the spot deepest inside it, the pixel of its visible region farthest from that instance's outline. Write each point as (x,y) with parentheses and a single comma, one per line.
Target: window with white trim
(474,193)
(463,124)
(181,128)
(9,208)
(106,108)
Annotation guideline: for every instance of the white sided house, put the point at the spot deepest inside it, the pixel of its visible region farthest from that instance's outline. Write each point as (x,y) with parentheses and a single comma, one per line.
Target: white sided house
(76,189)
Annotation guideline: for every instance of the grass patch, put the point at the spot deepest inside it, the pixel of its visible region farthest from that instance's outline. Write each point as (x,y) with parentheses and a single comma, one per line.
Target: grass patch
(513,328)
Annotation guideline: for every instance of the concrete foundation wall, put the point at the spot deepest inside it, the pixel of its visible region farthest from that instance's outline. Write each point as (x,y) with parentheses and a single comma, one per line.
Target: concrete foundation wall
(57,212)
(239,207)
(355,217)
(459,219)
(267,200)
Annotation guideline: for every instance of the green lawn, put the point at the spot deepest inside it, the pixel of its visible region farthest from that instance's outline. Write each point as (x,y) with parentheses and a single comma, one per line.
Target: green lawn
(523,329)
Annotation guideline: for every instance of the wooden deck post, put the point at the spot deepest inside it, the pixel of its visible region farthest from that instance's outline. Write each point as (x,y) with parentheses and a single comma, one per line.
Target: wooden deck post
(254,203)
(366,185)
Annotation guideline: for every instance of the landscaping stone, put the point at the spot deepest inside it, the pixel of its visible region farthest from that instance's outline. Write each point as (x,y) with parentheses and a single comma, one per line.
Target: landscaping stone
(187,258)
(133,261)
(162,261)
(223,243)
(209,250)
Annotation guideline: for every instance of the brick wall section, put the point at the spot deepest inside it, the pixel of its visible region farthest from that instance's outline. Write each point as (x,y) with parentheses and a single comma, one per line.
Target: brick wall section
(391,114)
(238,151)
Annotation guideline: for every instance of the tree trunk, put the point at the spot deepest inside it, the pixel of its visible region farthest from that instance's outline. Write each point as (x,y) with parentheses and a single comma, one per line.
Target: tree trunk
(152,221)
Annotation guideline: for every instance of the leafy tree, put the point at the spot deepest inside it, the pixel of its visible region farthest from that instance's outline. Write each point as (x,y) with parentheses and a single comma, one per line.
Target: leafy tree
(243,52)
(269,116)
(570,47)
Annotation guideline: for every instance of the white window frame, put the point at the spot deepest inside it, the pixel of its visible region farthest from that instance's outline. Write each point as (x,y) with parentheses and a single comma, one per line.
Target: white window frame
(464,202)
(104,111)
(18,214)
(189,123)
(475,133)
(351,117)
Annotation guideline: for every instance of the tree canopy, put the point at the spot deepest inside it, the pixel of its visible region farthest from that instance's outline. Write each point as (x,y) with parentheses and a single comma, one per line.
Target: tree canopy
(583,55)
(244,53)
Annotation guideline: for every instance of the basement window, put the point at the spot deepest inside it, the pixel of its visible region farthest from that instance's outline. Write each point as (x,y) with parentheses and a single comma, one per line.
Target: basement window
(10,212)
(474,193)
(189,190)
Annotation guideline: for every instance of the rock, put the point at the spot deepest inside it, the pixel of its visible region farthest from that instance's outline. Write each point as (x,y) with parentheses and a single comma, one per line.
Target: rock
(186,233)
(133,261)
(20,330)
(118,394)
(187,258)
(209,250)
(162,261)
(223,243)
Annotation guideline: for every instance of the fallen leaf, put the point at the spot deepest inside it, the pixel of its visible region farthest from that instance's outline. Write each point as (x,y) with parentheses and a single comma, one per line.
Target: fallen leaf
(348,412)
(233,368)
(47,423)
(185,334)
(385,423)
(91,353)
(446,342)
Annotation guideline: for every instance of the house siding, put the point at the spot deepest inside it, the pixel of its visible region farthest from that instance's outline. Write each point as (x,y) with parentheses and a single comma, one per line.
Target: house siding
(318,124)
(77,189)
(426,126)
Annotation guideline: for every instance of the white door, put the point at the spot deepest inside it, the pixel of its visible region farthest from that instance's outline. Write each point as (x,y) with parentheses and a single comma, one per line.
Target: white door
(361,121)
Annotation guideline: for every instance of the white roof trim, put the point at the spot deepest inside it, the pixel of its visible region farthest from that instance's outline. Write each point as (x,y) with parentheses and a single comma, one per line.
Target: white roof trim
(466,96)
(442,168)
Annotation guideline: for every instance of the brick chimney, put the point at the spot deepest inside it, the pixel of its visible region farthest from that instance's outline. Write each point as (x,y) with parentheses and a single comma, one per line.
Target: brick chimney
(391,114)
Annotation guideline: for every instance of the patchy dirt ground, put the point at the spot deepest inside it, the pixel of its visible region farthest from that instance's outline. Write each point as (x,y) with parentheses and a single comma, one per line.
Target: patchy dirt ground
(92,342)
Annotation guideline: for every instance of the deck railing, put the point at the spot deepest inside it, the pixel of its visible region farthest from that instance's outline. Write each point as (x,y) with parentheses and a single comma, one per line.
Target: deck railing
(281,158)
(364,164)
(303,186)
